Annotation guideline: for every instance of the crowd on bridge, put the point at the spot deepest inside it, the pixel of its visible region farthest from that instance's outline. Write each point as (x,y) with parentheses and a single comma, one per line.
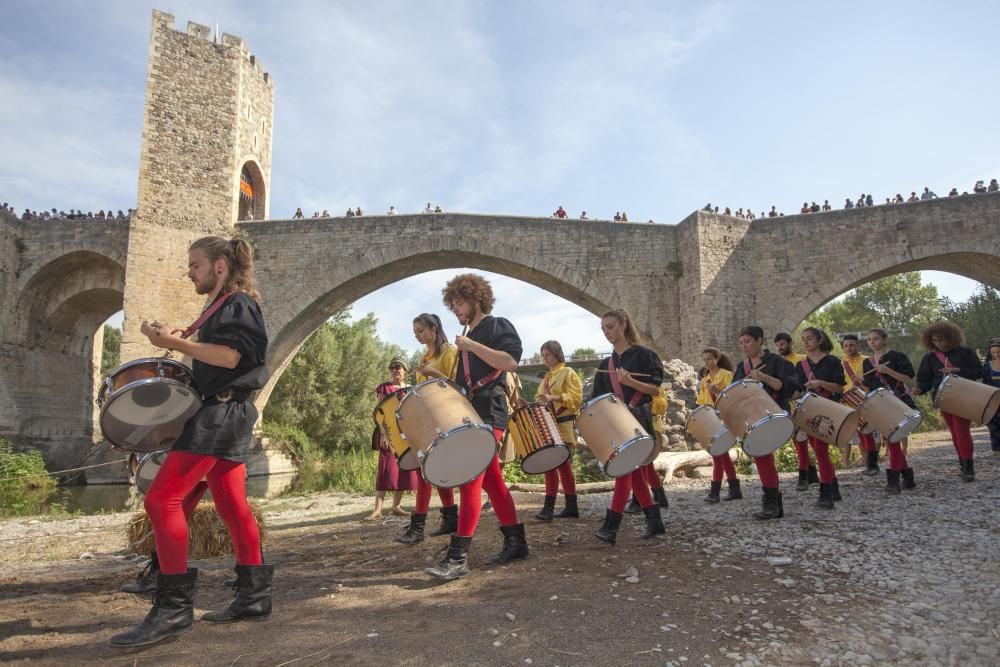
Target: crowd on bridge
(73,214)
(357,212)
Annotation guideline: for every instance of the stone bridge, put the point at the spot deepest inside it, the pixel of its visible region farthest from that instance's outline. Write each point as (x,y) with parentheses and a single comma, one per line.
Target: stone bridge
(687,285)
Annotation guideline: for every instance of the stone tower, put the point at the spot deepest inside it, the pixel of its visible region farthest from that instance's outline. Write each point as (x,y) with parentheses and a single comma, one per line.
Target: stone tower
(205,164)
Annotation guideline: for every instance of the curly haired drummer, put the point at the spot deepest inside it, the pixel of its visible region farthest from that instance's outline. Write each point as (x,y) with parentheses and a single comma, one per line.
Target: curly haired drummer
(716,375)
(489,350)
(228,366)
(778,377)
(823,374)
(561,388)
(893,371)
(948,355)
(634,373)
(854,367)
(438,361)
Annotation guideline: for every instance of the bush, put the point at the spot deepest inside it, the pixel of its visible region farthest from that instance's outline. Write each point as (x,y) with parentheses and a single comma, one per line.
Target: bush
(346,472)
(291,440)
(785,459)
(933,421)
(23,471)
(513,474)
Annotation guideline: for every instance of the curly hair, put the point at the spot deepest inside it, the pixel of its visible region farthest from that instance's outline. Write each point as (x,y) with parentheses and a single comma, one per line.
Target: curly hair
(947,331)
(721,358)
(471,288)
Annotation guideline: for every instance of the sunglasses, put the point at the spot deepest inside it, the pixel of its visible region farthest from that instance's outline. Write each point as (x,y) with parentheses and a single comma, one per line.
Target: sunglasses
(395,367)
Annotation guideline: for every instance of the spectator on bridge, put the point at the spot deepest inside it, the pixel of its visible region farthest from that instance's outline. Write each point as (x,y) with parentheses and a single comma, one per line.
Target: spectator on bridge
(928,194)
(391,211)
(618,216)
(437,209)
(358,213)
(325,214)
(298,214)
(814,208)
(979,188)
(804,209)
(121,216)
(560,213)
(848,203)
(583,215)
(773,213)
(350,213)
(739,213)
(624,216)
(953,192)
(994,186)
(315,214)
(913,197)
(869,201)
(428,209)
(889,201)
(727,212)
(826,205)
(100,215)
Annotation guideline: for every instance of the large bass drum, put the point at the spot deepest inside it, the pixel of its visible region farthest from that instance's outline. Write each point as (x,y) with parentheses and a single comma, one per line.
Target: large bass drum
(614,435)
(970,400)
(145,403)
(753,416)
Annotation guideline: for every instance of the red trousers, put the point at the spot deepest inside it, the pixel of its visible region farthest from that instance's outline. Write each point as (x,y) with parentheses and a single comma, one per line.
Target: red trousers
(652,477)
(961,435)
(636,482)
(767,470)
(897,459)
(490,480)
(722,464)
(170,495)
(802,452)
(424,488)
(564,473)
(868,443)
(823,462)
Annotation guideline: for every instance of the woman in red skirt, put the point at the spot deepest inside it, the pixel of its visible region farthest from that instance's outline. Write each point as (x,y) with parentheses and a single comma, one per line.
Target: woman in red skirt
(388,476)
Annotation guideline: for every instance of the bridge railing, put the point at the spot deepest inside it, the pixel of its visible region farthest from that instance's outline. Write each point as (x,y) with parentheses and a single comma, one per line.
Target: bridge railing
(570,359)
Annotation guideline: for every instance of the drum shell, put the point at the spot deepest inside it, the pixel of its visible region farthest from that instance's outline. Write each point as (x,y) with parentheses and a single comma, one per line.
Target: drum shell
(744,406)
(537,438)
(853,398)
(705,426)
(891,417)
(970,400)
(146,467)
(609,428)
(826,420)
(384,416)
(148,368)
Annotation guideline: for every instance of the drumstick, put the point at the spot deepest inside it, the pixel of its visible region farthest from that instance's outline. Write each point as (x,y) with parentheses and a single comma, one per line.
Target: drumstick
(454,366)
(641,375)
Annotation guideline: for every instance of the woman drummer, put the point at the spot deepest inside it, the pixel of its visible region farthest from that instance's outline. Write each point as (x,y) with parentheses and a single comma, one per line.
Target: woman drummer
(991,376)
(891,370)
(438,361)
(822,374)
(717,374)
(947,355)
(633,373)
(561,388)
(779,380)
(388,476)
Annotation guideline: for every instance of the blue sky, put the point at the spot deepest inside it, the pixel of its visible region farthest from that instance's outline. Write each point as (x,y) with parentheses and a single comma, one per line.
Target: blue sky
(518,107)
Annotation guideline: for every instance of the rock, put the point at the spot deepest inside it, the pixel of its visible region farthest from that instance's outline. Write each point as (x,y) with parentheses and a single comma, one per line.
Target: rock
(632,580)
(86,555)
(510,617)
(779,560)
(493,631)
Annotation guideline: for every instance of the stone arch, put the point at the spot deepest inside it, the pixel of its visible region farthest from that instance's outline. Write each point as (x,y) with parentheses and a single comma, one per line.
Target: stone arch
(251,192)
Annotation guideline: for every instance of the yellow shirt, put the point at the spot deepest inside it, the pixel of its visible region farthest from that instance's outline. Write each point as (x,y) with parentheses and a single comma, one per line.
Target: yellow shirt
(444,362)
(721,379)
(563,383)
(795,357)
(857,365)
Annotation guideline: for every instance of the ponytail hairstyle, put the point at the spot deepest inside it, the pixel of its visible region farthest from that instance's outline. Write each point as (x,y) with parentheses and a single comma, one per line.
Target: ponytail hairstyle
(721,358)
(631,333)
(432,321)
(239,258)
(825,344)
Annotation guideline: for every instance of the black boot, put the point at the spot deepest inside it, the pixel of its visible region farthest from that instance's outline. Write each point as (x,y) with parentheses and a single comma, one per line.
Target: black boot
(771,506)
(414,533)
(633,506)
(172,613)
(570,511)
(803,484)
(968,472)
(515,547)
(735,492)
(253,596)
(660,496)
(546,513)
(835,488)
(608,532)
(713,493)
(907,475)
(449,521)
(456,561)
(654,522)
(892,482)
(871,466)
(825,501)
(813,475)
(145,583)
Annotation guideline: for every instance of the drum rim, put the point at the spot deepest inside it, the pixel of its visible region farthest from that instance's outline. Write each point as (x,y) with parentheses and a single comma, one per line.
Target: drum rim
(145,360)
(378,406)
(615,451)
(943,384)
(144,458)
(717,435)
(608,396)
(918,416)
(422,455)
(399,460)
(742,382)
(107,403)
(413,391)
(772,415)
(541,449)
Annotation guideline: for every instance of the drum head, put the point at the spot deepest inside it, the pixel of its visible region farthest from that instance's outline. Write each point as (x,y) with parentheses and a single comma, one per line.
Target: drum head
(630,456)
(458,456)
(767,435)
(905,428)
(408,461)
(722,442)
(145,473)
(148,415)
(545,459)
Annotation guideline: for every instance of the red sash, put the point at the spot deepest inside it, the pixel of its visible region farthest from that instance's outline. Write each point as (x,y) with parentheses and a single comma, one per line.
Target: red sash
(482,382)
(885,381)
(811,376)
(855,380)
(616,385)
(545,390)
(207,313)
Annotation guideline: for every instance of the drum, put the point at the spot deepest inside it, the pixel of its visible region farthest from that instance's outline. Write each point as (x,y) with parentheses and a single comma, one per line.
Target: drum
(536,436)
(614,435)
(705,426)
(798,435)
(452,444)
(753,417)
(826,420)
(853,399)
(891,417)
(144,468)
(970,400)
(145,403)
(384,415)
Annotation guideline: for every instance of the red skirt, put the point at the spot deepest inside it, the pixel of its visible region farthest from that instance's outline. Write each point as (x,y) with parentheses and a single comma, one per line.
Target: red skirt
(388,476)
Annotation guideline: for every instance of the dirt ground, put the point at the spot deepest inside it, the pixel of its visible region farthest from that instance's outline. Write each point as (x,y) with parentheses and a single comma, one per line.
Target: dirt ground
(345,593)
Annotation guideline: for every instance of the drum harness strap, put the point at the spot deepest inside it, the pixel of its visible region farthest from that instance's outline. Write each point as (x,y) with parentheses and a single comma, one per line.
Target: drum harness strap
(482,382)
(230,394)
(855,380)
(616,385)
(885,381)
(559,420)
(812,376)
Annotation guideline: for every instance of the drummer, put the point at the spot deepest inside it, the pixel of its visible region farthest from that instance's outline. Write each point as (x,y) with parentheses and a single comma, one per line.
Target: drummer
(489,350)
(438,361)
(388,476)
(947,355)
(854,367)
(561,388)
(779,380)
(716,375)
(822,374)
(634,374)
(892,371)
(991,376)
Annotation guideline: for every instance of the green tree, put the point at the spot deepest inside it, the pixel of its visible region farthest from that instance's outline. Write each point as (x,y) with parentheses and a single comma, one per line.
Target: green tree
(111,352)
(979,317)
(328,389)
(584,352)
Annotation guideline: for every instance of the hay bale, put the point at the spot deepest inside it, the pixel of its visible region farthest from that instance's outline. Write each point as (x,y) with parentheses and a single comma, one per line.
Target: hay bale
(208,534)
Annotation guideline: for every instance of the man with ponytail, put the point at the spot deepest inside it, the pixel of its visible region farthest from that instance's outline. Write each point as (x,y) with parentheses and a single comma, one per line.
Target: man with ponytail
(228,367)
